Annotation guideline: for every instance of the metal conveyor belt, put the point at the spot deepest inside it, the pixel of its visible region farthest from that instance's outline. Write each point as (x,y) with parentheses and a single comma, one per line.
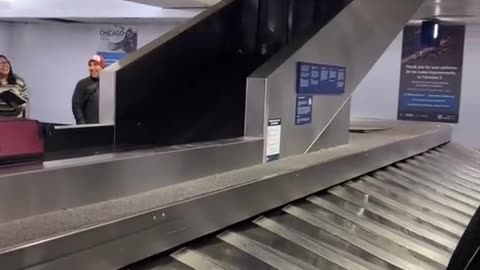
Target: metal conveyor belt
(409,216)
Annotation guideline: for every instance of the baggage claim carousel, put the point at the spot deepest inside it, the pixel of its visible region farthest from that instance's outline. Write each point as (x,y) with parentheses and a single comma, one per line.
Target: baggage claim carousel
(409,215)
(399,195)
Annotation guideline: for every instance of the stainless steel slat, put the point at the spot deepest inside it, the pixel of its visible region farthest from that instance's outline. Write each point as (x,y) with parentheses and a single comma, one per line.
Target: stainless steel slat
(462,150)
(412,202)
(354,238)
(442,181)
(197,260)
(413,198)
(262,252)
(163,263)
(449,168)
(437,156)
(414,225)
(310,244)
(416,210)
(408,216)
(456,166)
(220,254)
(430,193)
(439,187)
(467,160)
(289,250)
(337,245)
(458,150)
(397,228)
(428,169)
(418,252)
(445,174)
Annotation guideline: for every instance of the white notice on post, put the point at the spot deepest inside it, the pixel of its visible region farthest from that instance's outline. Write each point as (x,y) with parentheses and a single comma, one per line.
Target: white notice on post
(274,131)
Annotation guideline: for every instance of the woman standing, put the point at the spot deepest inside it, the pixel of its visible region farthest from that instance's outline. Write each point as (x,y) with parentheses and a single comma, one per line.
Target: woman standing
(9,81)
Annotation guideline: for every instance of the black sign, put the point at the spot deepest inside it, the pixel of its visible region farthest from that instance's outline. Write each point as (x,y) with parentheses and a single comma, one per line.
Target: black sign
(431,77)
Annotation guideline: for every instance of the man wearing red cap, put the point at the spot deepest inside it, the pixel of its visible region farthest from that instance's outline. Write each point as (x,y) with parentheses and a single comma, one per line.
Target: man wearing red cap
(85,97)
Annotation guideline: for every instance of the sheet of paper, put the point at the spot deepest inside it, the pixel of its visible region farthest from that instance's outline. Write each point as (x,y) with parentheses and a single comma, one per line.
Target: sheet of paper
(274,131)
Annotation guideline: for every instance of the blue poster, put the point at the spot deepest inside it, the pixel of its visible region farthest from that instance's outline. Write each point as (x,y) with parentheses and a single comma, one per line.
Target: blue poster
(303,111)
(315,79)
(431,76)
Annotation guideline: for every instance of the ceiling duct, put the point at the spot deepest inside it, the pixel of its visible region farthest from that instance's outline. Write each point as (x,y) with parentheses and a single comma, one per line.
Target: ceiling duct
(177,3)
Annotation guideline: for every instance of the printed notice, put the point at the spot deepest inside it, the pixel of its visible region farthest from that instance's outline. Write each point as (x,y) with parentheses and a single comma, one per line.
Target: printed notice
(274,131)
(303,112)
(315,79)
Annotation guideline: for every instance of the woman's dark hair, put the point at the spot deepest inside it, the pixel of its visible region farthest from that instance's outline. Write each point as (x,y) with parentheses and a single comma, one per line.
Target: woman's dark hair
(11,78)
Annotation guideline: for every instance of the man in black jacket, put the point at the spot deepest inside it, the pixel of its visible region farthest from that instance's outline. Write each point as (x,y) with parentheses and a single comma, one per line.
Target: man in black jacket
(85,97)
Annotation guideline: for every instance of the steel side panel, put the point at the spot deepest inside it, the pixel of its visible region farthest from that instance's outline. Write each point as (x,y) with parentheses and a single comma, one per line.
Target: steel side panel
(107,247)
(50,190)
(355,39)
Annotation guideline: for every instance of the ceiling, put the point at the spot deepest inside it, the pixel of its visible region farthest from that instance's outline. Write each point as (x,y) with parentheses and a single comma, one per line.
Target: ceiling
(89,11)
(451,10)
(146,11)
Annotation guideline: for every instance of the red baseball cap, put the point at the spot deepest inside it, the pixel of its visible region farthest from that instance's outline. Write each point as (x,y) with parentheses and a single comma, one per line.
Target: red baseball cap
(98,59)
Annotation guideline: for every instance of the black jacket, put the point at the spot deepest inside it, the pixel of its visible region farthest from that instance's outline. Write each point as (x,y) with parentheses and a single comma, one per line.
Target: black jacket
(85,101)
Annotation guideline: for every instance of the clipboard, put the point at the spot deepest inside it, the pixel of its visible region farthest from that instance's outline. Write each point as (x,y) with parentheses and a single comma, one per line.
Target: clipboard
(10,97)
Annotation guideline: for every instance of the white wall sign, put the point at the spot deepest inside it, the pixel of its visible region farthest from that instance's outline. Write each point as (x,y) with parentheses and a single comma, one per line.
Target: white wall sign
(274,131)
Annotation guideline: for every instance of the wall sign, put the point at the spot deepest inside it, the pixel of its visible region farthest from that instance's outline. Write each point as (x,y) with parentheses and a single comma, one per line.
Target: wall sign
(117,41)
(303,110)
(431,77)
(315,79)
(274,131)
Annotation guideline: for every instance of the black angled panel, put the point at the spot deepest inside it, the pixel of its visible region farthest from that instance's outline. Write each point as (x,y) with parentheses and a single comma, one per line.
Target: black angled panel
(191,88)
(273,29)
(303,16)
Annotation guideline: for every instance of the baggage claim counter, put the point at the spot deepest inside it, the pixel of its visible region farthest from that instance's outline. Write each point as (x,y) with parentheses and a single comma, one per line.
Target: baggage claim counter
(216,162)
